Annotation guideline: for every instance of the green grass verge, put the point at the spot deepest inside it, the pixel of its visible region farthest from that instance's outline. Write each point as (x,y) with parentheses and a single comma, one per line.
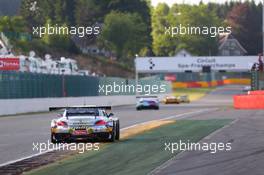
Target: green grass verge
(193,93)
(136,155)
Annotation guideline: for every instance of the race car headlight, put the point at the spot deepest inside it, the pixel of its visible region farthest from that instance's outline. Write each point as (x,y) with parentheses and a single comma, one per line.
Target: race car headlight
(62,123)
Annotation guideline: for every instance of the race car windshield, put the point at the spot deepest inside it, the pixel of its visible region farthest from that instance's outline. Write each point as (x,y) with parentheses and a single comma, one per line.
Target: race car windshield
(82,112)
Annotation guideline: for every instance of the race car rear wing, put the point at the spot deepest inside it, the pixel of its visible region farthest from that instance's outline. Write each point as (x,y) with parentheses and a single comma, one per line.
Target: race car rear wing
(78,107)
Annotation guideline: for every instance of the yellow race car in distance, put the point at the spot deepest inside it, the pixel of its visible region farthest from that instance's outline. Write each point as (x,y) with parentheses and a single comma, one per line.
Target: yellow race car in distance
(171,100)
(183,99)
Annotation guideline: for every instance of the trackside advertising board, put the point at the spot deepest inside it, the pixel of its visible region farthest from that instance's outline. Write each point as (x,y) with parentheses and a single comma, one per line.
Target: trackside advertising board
(10,64)
(195,64)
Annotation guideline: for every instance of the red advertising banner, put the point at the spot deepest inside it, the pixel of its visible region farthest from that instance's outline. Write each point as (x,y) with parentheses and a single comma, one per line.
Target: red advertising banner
(9,64)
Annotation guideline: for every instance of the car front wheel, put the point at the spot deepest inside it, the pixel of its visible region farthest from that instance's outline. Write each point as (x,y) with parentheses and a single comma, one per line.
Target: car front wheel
(53,139)
(113,133)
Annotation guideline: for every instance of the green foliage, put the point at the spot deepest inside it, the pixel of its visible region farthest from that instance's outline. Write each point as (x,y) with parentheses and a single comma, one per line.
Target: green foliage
(140,28)
(162,44)
(89,12)
(37,16)
(59,41)
(12,24)
(124,33)
(197,16)
(64,11)
(14,28)
(142,8)
(37,45)
(59,11)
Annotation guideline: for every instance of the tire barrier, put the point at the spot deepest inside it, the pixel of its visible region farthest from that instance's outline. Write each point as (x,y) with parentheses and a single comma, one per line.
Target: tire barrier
(258,92)
(254,100)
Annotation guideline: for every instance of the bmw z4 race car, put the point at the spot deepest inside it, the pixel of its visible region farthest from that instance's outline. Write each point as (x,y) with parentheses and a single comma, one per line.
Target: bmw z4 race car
(84,123)
(147,102)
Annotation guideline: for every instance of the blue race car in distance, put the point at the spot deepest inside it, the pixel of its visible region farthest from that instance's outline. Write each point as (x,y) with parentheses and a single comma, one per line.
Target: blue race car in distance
(147,102)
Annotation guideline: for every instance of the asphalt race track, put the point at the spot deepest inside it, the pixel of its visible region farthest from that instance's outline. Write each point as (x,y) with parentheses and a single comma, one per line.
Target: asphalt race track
(246,133)
(17,134)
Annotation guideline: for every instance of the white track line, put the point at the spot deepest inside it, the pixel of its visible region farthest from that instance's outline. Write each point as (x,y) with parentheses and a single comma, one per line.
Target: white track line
(24,158)
(219,130)
(178,116)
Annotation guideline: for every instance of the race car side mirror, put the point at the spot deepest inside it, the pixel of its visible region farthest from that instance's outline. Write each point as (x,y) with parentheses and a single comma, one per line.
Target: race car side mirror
(59,115)
(110,115)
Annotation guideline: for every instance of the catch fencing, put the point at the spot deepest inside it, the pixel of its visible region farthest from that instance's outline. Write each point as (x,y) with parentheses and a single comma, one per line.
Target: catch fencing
(33,85)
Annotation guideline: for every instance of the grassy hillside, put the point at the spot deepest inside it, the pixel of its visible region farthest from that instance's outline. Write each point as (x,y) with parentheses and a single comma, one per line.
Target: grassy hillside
(104,66)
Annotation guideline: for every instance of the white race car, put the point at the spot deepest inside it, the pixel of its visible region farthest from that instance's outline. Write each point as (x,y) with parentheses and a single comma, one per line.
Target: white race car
(246,88)
(84,123)
(147,102)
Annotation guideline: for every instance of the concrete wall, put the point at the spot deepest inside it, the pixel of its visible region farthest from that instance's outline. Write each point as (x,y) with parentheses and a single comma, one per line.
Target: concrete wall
(17,106)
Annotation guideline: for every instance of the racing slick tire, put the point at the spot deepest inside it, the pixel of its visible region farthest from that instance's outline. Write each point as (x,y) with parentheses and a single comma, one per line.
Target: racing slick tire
(53,139)
(113,133)
(56,139)
(117,135)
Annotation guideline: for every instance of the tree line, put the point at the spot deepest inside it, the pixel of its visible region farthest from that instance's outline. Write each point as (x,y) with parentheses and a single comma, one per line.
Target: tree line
(245,19)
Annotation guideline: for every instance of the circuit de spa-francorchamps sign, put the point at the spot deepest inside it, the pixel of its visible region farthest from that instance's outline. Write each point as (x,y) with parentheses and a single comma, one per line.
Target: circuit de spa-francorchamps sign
(194,64)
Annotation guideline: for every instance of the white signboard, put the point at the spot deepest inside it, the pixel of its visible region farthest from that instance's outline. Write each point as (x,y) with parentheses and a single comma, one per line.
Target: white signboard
(194,64)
